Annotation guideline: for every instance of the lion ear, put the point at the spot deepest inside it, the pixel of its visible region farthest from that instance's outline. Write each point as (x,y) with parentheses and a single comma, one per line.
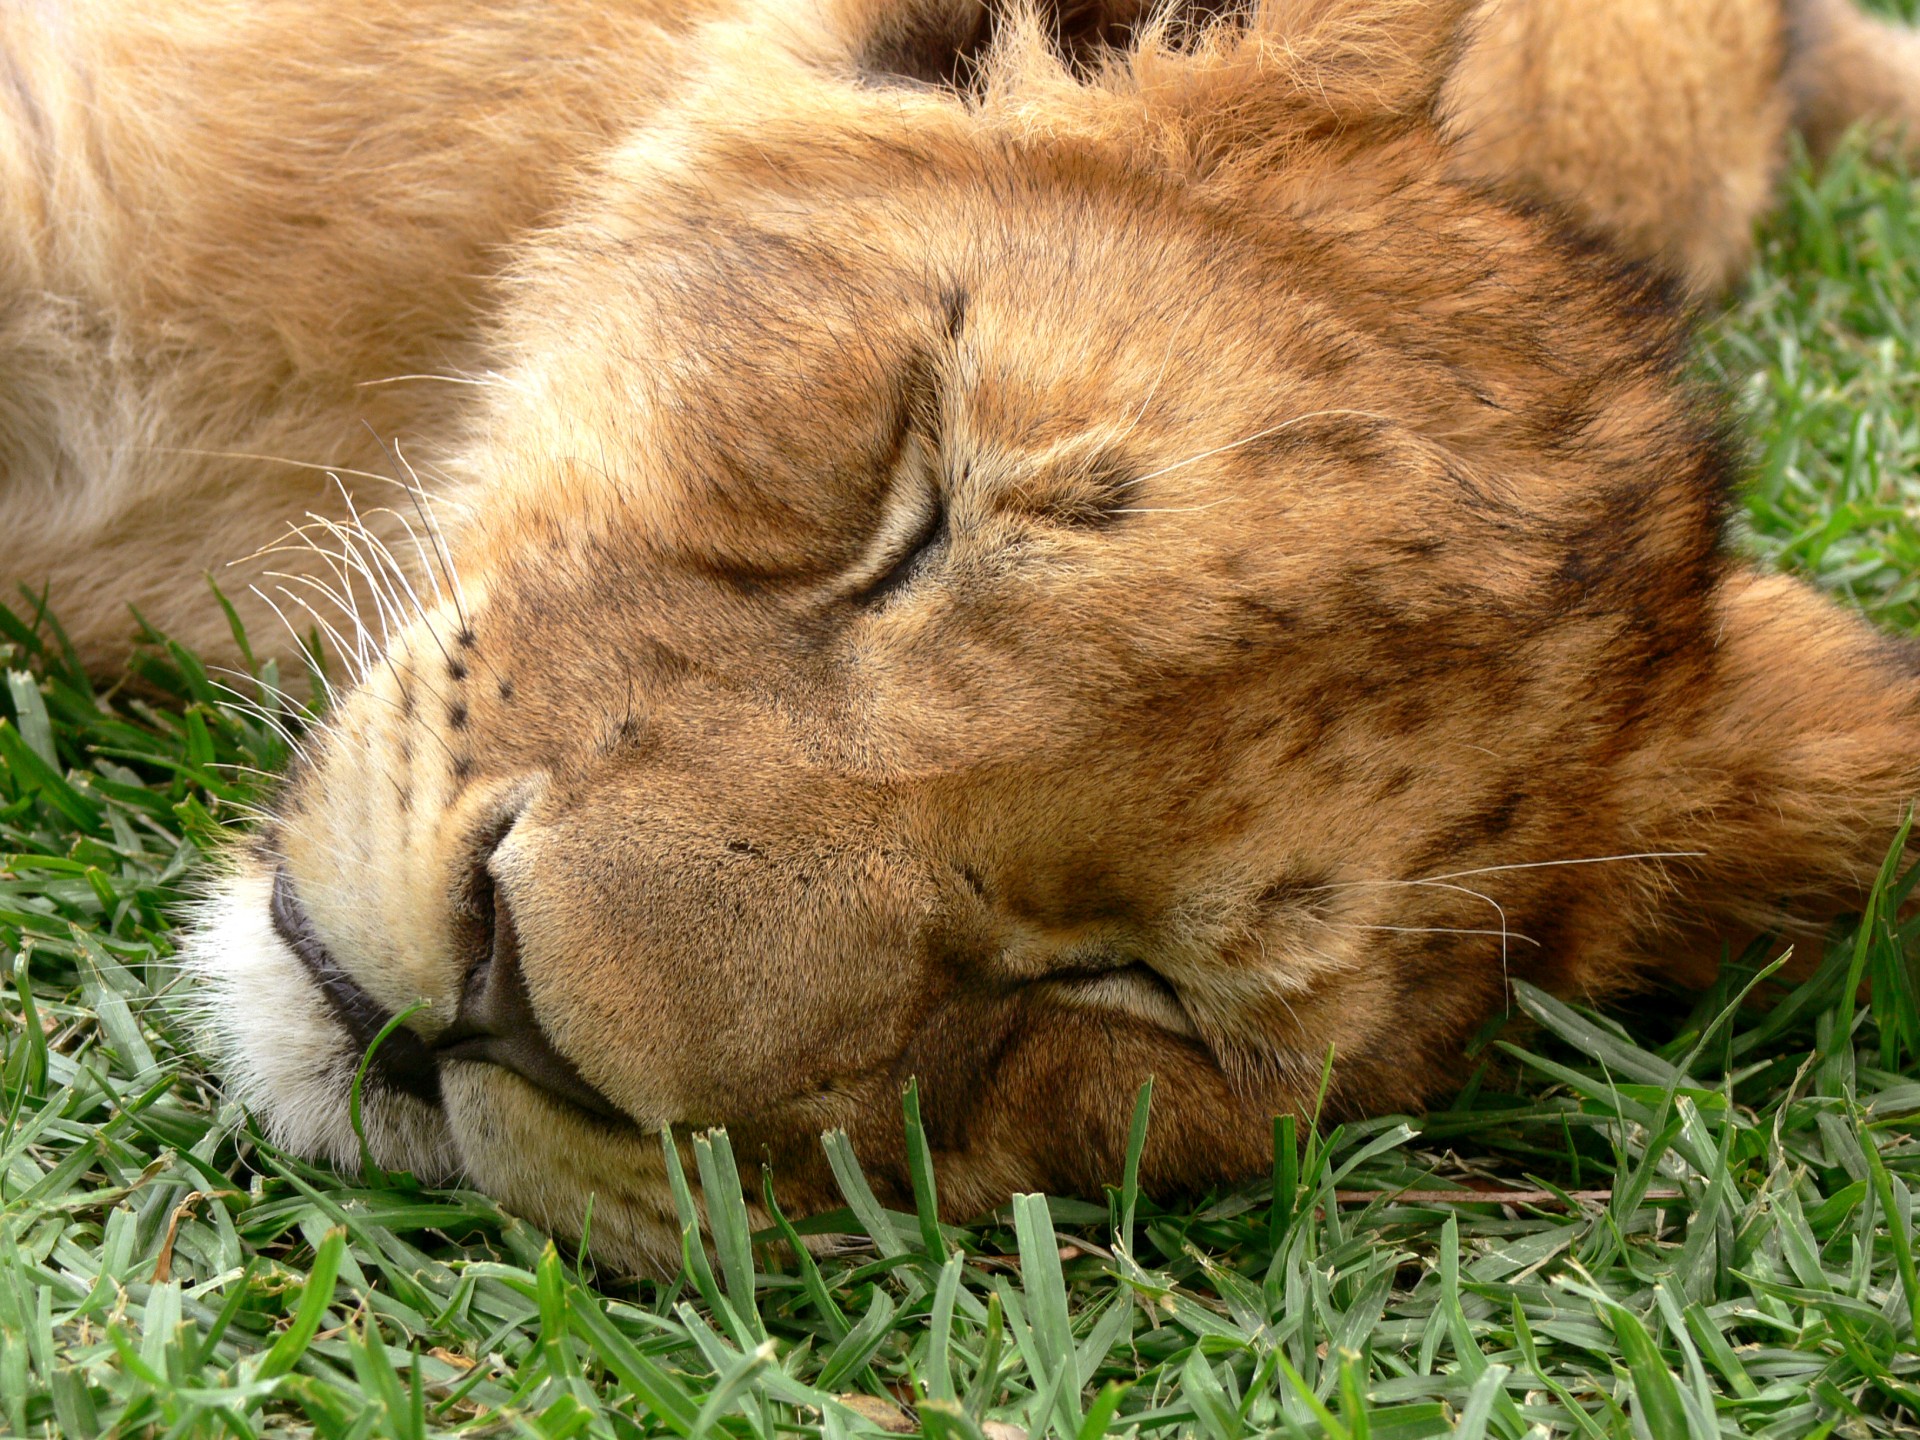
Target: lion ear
(941,42)
(1354,58)
(1288,70)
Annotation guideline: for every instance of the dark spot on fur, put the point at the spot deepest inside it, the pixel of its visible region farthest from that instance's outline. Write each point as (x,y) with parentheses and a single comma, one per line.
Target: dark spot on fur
(1409,713)
(955,302)
(1306,728)
(506,689)
(1297,890)
(973,881)
(462,767)
(744,847)
(456,669)
(1266,614)
(406,799)
(457,715)
(1463,834)
(1334,772)
(1496,817)
(1902,653)
(465,639)
(1398,782)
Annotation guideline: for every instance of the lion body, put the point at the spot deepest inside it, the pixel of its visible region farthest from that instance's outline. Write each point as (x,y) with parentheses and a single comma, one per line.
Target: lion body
(227,230)
(972,554)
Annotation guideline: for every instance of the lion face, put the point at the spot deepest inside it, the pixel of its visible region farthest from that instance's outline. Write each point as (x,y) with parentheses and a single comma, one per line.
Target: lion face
(1088,579)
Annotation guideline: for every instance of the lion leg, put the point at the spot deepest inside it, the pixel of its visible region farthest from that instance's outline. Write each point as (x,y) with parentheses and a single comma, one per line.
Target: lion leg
(1659,122)
(1785,784)
(1849,67)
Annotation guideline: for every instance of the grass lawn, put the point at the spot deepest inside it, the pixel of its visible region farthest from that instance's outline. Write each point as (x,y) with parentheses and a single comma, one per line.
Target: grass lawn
(1707,1223)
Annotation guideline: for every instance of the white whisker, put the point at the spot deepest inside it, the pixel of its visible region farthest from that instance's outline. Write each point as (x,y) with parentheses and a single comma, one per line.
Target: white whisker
(483,384)
(1589,860)
(1505,931)
(247,706)
(436,533)
(1249,440)
(384,601)
(1167,509)
(342,570)
(1431,930)
(359,667)
(333,470)
(313,662)
(362,649)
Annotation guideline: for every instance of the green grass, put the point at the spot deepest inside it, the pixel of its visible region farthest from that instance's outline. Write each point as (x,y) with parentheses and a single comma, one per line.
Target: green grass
(1713,1233)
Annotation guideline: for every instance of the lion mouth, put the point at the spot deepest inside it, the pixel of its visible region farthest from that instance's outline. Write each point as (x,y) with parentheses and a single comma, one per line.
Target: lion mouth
(495,1023)
(402,1062)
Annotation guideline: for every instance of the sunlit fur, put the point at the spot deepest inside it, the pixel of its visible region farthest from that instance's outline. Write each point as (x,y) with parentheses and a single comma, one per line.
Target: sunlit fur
(931,545)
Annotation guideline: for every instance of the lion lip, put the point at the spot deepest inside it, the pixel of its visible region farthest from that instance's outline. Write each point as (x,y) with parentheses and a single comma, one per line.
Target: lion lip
(402,1062)
(539,1065)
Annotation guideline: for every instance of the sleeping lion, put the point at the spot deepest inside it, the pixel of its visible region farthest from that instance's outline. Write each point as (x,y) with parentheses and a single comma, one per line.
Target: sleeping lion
(1026,547)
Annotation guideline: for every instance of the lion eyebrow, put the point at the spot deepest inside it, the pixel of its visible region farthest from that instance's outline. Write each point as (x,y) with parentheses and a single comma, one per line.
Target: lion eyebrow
(920,395)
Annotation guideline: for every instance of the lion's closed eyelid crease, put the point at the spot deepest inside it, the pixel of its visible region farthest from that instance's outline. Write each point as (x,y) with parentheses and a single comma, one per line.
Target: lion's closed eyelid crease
(922,545)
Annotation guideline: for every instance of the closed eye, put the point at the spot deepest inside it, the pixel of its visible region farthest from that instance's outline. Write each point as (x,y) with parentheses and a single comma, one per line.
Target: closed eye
(1135,989)
(914,528)
(906,544)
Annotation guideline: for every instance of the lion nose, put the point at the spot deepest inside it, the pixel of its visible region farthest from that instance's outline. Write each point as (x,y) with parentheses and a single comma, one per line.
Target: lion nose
(495,1024)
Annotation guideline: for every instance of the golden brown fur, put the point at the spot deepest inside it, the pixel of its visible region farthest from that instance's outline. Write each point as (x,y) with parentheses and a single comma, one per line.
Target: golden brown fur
(975,553)
(1662,123)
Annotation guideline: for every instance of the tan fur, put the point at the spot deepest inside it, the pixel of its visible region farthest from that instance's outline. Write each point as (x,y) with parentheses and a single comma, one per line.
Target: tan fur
(1847,66)
(1320,615)
(225,230)
(1662,123)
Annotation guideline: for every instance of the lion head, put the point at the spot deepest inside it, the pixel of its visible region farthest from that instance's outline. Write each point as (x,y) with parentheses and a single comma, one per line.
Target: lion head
(1023,564)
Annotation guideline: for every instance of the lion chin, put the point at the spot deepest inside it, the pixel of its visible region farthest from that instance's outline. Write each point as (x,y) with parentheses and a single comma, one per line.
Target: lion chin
(1018,547)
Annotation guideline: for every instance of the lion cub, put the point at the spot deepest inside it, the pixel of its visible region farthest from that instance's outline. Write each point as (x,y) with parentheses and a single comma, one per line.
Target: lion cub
(1024,547)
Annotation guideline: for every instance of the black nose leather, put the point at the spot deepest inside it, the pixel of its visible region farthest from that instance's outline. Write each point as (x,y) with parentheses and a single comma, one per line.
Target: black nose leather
(496,1024)
(403,1061)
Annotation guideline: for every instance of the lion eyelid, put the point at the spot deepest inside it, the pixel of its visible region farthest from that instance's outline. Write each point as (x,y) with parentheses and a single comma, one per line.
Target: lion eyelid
(915,521)
(928,534)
